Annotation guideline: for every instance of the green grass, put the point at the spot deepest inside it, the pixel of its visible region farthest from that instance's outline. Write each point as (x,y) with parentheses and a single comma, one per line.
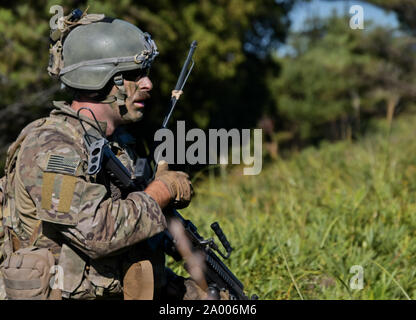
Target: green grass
(299,226)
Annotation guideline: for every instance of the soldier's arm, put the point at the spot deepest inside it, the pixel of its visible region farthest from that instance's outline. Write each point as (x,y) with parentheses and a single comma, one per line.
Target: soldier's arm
(2,182)
(158,191)
(83,212)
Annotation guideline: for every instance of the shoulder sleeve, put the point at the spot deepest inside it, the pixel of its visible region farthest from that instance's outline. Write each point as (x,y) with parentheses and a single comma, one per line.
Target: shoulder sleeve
(2,181)
(53,172)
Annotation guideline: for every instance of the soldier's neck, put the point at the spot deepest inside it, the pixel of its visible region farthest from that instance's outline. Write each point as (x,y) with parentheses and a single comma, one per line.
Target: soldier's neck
(102,111)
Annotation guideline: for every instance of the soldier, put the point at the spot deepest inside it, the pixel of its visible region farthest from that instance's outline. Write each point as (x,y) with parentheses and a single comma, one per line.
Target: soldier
(99,242)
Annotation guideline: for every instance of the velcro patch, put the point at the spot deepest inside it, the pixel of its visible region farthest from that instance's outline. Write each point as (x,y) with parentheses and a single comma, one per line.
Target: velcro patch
(61,198)
(62,164)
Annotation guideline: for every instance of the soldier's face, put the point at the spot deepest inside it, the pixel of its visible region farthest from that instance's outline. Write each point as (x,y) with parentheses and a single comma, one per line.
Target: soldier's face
(137,85)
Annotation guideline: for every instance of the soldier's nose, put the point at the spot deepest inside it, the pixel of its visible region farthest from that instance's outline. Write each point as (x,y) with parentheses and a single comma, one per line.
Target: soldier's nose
(145,84)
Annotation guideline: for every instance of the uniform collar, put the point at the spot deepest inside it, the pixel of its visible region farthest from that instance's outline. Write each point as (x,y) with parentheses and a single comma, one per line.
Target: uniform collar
(64,108)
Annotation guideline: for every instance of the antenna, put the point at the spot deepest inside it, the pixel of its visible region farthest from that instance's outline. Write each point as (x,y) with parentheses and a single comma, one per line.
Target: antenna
(87,135)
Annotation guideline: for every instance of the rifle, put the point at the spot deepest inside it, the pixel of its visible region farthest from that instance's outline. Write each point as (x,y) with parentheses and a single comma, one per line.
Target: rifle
(217,275)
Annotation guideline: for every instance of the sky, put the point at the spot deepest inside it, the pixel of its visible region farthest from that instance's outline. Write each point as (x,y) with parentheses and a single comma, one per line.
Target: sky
(324,8)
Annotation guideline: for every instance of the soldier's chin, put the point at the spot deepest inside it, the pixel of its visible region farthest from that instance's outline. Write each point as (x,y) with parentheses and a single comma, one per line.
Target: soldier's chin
(132,116)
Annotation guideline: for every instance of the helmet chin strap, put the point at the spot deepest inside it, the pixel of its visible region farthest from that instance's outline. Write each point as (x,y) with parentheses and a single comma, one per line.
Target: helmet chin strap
(121,95)
(120,99)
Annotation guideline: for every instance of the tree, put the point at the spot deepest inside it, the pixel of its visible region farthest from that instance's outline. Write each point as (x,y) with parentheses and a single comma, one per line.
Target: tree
(225,89)
(393,68)
(336,74)
(405,10)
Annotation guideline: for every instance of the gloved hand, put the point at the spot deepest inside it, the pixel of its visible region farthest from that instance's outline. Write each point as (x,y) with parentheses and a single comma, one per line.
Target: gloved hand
(195,292)
(178,184)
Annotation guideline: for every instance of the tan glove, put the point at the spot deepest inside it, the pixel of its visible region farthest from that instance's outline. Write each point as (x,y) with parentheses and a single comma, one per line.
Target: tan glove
(178,184)
(195,292)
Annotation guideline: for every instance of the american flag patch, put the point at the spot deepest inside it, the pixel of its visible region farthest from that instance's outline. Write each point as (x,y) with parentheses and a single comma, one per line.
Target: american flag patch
(62,164)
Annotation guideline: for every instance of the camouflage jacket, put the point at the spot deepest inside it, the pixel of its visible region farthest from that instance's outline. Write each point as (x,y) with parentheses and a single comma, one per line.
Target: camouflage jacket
(85,221)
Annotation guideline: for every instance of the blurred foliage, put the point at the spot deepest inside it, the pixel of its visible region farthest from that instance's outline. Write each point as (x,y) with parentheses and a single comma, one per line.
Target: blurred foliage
(226,89)
(334,76)
(299,226)
(332,207)
(405,10)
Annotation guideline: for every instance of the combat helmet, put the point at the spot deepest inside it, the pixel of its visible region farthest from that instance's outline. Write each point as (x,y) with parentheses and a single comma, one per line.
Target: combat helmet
(90,49)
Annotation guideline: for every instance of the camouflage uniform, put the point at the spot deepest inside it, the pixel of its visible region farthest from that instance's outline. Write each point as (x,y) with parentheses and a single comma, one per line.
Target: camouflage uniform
(93,229)
(98,234)
(2,289)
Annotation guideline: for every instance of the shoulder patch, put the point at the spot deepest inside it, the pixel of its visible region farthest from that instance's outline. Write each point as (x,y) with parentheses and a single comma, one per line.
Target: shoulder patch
(60,198)
(62,164)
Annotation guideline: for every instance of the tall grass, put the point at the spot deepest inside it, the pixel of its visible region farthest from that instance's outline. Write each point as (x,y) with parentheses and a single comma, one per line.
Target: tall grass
(299,226)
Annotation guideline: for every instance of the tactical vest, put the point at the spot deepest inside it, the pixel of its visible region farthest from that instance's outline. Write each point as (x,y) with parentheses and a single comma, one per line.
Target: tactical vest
(83,278)
(72,264)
